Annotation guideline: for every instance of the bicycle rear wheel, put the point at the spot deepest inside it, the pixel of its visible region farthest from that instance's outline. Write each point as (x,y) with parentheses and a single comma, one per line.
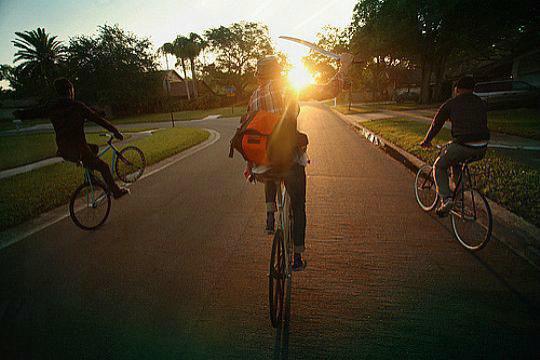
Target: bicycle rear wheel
(90,205)
(472,221)
(424,188)
(130,164)
(276,278)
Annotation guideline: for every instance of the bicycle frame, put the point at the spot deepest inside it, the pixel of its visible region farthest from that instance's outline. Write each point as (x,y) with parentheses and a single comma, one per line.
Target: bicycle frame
(115,151)
(460,190)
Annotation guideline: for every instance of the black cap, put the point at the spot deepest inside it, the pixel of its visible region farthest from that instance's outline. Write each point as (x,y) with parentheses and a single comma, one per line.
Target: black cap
(466,82)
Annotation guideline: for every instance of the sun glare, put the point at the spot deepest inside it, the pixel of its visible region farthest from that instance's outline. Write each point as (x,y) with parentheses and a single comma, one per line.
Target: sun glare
(300,77)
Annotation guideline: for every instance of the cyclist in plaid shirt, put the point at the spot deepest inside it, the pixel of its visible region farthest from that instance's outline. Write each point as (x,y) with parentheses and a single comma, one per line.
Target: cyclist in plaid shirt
(274,95)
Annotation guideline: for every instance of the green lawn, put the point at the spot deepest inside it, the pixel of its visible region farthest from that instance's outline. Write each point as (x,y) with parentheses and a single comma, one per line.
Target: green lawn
(344,109)
(400,107)
(520,122)
(511,184)
(25,196)
(182,115)
(22,149)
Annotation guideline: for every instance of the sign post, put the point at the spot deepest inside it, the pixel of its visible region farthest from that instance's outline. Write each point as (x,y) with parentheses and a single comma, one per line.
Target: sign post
(231,92)
(169,100)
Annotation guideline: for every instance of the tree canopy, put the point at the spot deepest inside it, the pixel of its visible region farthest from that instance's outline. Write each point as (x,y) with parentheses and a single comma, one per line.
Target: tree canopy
(237,48)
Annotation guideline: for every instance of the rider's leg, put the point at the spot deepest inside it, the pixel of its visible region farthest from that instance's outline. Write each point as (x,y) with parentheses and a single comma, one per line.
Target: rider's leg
(90,160)
(296,187)
(452,156)
(270,191)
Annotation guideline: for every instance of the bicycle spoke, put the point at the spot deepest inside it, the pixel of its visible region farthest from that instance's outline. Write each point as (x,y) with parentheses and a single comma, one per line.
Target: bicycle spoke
(472,221)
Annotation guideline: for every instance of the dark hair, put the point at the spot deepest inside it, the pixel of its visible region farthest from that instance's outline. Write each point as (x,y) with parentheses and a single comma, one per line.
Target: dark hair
(62,86)
(466,82)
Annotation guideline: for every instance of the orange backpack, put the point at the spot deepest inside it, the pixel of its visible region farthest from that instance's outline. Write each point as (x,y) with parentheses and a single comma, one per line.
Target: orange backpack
(252,138)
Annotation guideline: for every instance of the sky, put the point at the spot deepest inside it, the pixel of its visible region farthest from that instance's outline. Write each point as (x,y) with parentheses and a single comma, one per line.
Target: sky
(162,20)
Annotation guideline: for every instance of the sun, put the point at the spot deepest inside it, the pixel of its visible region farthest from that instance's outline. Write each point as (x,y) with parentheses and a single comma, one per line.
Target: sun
(299,76)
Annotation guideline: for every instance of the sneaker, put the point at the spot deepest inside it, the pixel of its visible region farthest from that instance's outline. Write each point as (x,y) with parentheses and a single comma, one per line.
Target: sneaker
(120,192)
(298,264)
(445,207)
(270,222)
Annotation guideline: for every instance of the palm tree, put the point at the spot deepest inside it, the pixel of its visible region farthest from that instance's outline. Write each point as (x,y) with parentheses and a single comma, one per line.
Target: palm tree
(181,51)
(39,53)
(194,47)
(167,49)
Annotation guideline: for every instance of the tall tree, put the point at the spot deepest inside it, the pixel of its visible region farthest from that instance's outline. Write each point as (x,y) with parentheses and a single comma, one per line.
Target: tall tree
(194,48)
(166,50)
(237,48)
(39,55)
(429,33)
(113,67)
(181,51)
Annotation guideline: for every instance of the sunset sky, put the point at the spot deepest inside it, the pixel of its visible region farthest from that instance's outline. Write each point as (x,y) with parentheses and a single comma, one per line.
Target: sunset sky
(162,20)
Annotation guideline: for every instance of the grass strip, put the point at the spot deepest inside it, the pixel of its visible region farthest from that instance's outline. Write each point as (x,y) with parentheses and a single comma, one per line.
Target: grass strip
(21,149)
(182,115)
(27,195)
(512,184)
(344,109)
(519,122)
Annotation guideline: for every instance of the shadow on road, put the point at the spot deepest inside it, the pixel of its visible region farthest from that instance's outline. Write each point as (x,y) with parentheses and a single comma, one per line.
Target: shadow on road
(281,347)
(488,259)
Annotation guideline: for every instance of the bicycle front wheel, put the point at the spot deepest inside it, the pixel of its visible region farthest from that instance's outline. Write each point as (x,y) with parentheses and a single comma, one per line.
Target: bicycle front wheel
(424,188)
(130,164)
(90,205)
(472,221)
(276,278)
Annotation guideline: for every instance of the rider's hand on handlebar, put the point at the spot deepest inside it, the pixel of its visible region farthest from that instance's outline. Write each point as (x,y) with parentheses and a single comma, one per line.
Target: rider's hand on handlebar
(119,135)
(426,144)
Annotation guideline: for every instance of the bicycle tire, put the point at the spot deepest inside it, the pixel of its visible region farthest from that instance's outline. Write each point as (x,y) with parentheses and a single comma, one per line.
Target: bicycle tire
(465,229)
(99,195)
(424,188)
(276,279)
(288,238)
(130,164)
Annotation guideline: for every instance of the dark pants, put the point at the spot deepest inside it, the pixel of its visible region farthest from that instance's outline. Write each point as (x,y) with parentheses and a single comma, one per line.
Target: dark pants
(295,183)
(451,157)
(88,157)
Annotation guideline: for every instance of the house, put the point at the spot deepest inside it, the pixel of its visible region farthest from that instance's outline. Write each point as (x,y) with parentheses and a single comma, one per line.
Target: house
(175,86)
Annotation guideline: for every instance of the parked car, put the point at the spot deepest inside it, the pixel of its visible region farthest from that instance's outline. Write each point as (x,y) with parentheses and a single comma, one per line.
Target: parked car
(407,95)
(507,94)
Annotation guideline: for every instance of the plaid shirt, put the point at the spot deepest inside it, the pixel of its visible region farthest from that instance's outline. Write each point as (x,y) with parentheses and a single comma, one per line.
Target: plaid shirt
(273,97)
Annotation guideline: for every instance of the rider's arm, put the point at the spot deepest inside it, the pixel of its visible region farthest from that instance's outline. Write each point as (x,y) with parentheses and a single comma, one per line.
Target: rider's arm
(333,87)
(438,122)
(91,115)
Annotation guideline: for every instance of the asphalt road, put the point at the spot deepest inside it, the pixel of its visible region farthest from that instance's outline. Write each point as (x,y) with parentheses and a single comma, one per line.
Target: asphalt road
(180,270)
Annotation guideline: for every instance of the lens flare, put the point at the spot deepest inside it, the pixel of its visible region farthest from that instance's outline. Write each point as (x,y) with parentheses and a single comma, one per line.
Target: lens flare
(299,76)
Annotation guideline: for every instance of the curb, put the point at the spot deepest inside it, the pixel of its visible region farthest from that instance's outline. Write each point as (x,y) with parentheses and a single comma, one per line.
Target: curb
(520,236)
